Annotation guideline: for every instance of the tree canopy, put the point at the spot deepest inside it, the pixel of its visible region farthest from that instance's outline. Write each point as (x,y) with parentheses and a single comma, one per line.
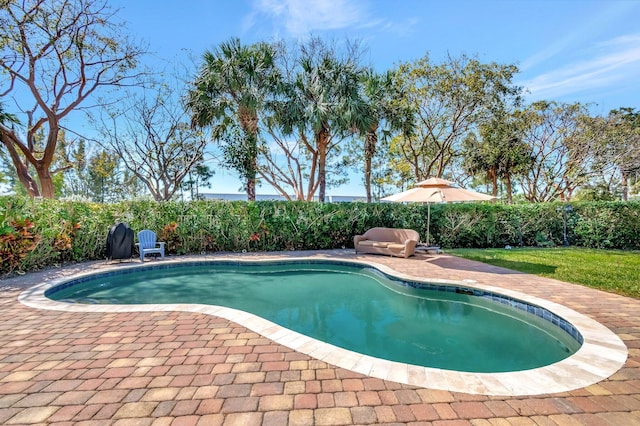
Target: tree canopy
(448,100)
(228,95)
(151,132)
(294,116)
(54,55)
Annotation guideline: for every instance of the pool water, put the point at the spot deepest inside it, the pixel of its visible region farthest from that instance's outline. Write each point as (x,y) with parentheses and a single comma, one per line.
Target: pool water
(353,307)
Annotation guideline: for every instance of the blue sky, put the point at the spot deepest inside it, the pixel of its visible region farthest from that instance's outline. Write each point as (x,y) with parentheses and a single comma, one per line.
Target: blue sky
(567,50)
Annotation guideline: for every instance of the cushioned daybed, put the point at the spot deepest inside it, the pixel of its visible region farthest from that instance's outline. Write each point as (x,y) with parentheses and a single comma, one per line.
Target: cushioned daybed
(390,241)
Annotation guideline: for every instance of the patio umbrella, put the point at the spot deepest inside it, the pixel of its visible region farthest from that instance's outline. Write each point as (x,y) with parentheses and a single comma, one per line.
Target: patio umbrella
(436,190)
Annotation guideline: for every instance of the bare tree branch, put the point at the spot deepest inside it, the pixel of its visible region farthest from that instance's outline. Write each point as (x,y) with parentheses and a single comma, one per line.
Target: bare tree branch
(56,54)
(151,133)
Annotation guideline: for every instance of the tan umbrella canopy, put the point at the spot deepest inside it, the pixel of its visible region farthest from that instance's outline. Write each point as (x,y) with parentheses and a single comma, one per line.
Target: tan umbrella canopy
(436,190)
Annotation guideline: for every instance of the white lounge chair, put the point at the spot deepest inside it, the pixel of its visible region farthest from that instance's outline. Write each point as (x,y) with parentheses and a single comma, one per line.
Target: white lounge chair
(147,244)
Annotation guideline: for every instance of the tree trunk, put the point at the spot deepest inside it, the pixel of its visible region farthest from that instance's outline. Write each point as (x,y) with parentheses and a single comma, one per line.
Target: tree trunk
(323,142)
(44,186)
(367,178)
(369,152)
(47,189)
(509,185)
(27,181)
(251,188)
(253,166)
(493,176)
(22,169)
(249,124)
(625,186)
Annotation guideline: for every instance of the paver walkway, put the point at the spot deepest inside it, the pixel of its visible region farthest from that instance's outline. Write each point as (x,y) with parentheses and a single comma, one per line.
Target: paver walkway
(173,368)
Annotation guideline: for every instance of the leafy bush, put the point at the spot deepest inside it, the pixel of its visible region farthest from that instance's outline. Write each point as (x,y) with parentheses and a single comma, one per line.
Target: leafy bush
(17,240)
(38,233)
(607,225)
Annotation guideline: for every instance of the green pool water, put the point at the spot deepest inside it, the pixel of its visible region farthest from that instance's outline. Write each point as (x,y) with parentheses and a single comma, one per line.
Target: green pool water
(356,308)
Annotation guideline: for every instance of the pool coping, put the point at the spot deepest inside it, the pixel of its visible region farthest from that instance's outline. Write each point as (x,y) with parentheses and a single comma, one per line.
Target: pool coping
(601,355)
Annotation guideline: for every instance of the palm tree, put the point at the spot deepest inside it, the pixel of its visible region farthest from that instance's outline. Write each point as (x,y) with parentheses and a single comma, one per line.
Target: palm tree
(324,99)
(230,90)
(382,110)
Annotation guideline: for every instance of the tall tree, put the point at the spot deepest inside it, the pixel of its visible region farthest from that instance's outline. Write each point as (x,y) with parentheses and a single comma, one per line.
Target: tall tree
(499,154)
(96,175)
(321,105)
(386,117)
(54,55)
(102,177)
(230,89)
(151,132)
(198,176)
(449,100)
(75,183)
(623,146)
(562,148)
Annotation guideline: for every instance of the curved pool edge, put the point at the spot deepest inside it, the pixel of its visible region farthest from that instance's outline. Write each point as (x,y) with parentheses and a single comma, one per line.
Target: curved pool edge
(602,354)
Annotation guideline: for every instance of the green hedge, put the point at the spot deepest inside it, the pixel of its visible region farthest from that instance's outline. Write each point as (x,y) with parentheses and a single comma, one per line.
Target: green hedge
(63,231)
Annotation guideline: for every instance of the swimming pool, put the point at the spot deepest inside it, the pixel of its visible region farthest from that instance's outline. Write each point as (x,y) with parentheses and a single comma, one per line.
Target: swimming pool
(356,308)
(601,354)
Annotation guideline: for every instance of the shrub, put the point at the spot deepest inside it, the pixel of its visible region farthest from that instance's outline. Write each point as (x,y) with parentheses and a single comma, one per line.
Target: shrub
(38,233)
(607,225)
(17,240)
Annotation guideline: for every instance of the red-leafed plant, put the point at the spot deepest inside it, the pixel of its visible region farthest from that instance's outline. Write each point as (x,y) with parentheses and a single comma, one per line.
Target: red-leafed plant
(17,240)
(169,235)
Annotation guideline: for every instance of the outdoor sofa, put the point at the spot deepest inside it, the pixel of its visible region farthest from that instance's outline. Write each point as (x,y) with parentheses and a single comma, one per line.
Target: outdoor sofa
(390,241)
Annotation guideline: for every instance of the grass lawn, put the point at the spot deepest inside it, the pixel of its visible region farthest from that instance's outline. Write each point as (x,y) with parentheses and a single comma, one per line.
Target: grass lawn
(609,270)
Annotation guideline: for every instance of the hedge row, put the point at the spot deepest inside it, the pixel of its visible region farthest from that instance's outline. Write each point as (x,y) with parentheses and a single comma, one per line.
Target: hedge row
(37,233)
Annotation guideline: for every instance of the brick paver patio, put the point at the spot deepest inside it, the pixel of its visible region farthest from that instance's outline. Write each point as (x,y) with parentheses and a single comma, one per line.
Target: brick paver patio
(176,368)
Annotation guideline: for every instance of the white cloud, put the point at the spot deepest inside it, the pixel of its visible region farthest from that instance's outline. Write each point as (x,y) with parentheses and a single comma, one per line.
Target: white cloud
(301,17)
(590,27)
(612,63)
(402,28)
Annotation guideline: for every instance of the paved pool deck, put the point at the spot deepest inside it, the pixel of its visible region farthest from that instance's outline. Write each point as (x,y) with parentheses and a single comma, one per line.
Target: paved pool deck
(190,368)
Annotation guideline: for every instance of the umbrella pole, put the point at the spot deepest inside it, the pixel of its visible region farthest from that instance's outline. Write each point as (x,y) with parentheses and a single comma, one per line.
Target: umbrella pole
(428,221)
